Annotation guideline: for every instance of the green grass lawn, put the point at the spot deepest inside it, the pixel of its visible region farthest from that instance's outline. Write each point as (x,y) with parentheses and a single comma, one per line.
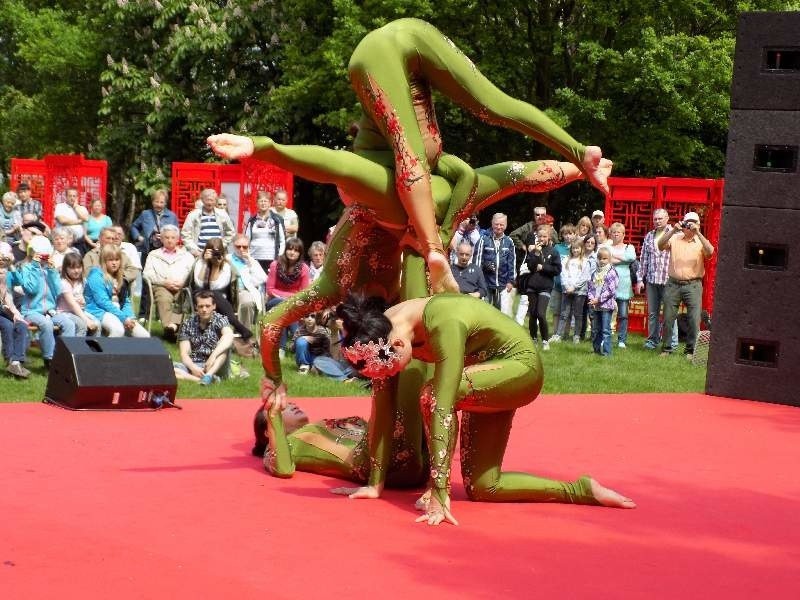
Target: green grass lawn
(569,369)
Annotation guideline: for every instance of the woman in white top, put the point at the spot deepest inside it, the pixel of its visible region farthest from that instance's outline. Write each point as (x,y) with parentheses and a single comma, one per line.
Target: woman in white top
(266,232)
(71,301)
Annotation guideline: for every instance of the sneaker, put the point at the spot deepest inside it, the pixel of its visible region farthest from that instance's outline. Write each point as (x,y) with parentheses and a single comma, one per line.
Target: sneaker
(17,370)
(281,354)
(576,340)
(303,370)
(545,345)
(206,380)
(621,345)
(648,345)
(555,339)
(46,362)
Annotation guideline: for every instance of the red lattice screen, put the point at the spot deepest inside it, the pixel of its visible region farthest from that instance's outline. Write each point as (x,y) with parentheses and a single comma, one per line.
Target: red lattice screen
(632,202)
(189,179)
(50,176)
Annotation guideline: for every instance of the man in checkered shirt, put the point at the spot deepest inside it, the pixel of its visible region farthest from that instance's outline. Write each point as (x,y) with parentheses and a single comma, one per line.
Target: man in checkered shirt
(203,341)
(652,274)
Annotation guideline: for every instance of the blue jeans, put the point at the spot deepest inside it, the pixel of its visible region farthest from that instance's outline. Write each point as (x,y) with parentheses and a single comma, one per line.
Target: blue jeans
(331,367)
(15,338)
(655,299)
(302,355)
(601,332)
(45,323)
(622,321)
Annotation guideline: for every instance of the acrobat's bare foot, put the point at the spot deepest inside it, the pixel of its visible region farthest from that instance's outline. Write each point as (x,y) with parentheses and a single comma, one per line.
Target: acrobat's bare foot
(597,168)
(442,279)
(608,497)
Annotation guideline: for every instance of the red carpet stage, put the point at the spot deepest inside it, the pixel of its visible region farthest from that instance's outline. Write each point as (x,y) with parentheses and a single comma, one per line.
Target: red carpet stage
(172,505)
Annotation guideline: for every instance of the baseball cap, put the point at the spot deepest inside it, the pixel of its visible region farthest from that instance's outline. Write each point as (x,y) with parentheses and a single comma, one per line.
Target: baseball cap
(691,216)
(40,245)
(598,213)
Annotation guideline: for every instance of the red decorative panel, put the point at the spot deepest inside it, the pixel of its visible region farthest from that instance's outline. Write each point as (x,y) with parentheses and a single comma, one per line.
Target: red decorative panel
(49,177)
(31,171)
(189,179)
(257,175)
(632,202)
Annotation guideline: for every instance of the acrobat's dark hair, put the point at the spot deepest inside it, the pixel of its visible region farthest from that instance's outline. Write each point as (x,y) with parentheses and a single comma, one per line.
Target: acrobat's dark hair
(363,320)
(260,431)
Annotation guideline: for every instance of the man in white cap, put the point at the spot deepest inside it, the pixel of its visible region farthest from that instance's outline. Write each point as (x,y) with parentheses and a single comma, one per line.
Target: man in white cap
(689,249)
(598,218)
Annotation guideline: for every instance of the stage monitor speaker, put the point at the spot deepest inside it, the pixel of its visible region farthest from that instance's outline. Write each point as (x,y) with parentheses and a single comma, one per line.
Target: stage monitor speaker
(110,373)
(762,165)
(766,70)
(755,342)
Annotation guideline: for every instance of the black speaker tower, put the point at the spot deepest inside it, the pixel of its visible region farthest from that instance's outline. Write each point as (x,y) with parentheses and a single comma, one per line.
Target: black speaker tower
(97,373)
(755,341)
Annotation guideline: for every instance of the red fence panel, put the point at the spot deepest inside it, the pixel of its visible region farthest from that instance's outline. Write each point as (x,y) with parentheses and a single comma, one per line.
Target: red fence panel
(240,182)
(632,202)
(53,174)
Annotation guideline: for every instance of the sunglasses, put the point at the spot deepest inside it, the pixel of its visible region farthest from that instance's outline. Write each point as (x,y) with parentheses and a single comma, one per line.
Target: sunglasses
(241,247)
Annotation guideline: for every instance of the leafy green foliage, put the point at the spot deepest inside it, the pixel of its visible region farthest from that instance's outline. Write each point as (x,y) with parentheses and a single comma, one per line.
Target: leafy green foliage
(143,82)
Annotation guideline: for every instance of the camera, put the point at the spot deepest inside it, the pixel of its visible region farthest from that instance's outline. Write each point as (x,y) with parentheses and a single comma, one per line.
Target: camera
(44,257)
(216,254)
(685,224)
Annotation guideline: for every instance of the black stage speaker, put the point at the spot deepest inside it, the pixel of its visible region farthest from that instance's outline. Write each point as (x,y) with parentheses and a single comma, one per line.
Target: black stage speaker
(755,342)
(110,373)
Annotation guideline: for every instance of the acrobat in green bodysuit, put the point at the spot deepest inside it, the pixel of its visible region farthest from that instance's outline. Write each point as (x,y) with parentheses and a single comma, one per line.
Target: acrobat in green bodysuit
(485,366)
(393,70)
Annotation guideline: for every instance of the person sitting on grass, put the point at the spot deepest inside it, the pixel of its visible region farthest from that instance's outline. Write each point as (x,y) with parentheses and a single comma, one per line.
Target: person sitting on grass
(203,341)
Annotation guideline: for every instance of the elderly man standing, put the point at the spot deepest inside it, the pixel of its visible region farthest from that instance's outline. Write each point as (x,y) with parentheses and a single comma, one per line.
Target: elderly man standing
(652,276)
(689,250)
(168,269)
(250,281)
(205,223)
(26,203)
(496,256)
(290,220)
(469,276)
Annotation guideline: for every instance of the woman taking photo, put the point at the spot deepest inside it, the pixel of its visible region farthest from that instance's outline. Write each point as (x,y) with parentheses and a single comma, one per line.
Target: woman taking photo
(212,271)
(108,298)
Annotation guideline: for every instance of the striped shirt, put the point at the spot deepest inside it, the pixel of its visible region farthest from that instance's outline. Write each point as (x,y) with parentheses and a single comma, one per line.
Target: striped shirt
(653,263)
(209,228)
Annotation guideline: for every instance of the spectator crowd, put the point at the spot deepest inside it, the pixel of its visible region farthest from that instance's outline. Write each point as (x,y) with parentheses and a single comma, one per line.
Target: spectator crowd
(208,281)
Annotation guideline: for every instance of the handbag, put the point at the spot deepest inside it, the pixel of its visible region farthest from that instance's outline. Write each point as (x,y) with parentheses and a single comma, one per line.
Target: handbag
(634,267)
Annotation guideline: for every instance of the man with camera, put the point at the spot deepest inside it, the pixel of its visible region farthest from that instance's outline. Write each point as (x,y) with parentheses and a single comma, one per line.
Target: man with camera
(468,232)
(689,249)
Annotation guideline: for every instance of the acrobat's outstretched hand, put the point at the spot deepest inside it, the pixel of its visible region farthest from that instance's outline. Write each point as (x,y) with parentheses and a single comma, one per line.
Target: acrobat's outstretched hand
(597,168)
(230,146)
